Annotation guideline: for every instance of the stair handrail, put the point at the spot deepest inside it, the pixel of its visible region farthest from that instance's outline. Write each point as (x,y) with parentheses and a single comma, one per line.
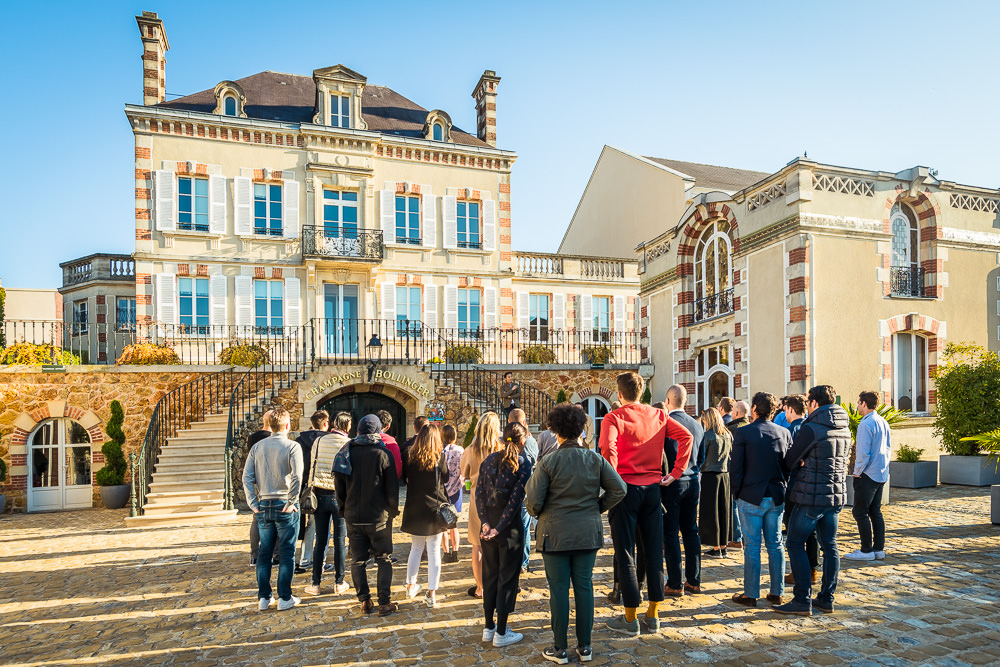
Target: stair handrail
(483,385)
(175,411)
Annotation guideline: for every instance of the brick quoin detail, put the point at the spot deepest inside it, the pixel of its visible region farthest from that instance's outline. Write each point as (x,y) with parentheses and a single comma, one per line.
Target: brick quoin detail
(142,153)
(797,344)
(203,269)
(798,285)
(738,329)
(259,272)
(143,279)
(798,373)
(797,256)
(683,343)
(143,235)
(685,297)
(738,354)
(798,314)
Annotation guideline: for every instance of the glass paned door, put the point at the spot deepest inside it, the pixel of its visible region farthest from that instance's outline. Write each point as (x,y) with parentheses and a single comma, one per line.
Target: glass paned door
(597,408)
(911,372)
(341,311)
(60,475)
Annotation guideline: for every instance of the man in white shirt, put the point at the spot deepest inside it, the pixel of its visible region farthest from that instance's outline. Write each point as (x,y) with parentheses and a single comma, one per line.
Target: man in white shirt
(871,472)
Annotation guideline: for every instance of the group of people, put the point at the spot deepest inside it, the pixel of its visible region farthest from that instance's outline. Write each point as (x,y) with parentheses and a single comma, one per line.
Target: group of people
(664,478)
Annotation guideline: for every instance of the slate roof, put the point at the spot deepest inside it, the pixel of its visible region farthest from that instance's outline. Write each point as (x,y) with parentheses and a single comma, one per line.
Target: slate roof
(292,98)
(711,176)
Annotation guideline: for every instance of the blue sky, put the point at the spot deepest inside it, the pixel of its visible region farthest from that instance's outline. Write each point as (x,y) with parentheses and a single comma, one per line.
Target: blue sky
(752,85)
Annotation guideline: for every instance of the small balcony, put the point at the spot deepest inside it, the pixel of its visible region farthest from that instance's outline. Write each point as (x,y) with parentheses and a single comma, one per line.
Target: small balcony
(100,267)
(362,245)
(574,267)
(713,305)
(906,281)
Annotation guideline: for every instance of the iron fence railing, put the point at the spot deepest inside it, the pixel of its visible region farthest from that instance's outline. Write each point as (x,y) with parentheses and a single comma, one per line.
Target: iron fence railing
(337,242)
(482,387)
(906,281)
(713,305)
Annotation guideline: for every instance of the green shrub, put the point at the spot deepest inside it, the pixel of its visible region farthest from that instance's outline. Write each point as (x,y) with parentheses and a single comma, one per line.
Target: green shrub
(434,360)
(470,433)
(245,354)
(561,396)
(113,472)
(598,354)
(536,354)
(148,354)
(968,392)
(3,474)
(987,443)
(647,397)
(907,454)
(37,354)
(463,354)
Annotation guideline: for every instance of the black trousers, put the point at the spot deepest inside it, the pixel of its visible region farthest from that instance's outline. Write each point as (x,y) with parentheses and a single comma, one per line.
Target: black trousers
(369,540)
(867,512)
(502,558)
(680,515)
(716,510)
(640,515)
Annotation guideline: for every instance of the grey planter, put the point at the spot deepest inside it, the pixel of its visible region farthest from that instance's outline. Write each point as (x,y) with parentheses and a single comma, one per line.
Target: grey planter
(3,502)
(995,504)
(917,475)
(115,497)
(850,490)
(969,470)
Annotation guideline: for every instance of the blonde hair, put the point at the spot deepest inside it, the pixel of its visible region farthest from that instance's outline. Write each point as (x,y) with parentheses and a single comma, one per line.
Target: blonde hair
(277,418)
(425,452)
(487,438)
(711,419)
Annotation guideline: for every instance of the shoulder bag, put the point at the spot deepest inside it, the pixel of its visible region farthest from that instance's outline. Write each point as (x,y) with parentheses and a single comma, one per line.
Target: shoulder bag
(447,517)
(307,499)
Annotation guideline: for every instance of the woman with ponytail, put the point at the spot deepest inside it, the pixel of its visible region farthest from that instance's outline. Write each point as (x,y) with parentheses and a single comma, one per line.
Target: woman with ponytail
(499,495)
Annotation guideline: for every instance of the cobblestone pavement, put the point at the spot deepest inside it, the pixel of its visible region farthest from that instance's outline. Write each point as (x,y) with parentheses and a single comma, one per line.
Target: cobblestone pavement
(80,589)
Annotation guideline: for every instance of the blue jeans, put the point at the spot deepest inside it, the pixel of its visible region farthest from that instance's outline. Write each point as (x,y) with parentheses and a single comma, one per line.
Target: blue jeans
(762,520)
(278,530)
(805,519)
(326,511)
(737,530)
(528,522)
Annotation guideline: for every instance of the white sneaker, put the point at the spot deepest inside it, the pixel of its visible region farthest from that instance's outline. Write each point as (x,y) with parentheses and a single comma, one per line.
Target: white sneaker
(879,555)
(860,555)
(313,590)
(342,588)
(285,605)
(412,590)
(264,603)
(488,634)
(499,641)
(430,602)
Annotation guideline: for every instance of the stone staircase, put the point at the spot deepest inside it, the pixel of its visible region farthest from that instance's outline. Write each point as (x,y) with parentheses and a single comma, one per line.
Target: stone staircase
(189,479)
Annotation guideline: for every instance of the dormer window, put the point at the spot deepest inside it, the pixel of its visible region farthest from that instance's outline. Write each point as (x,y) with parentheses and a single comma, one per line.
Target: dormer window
(438,132)
(340,111)
(230,106)
(437,126)
(230,100)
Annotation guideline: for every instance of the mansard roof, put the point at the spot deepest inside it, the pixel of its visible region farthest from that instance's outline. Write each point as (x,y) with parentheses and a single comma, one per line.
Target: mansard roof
(714,177)
(292,98)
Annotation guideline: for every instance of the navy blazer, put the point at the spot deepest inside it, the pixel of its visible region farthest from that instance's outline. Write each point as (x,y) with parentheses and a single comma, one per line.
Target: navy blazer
(755,468)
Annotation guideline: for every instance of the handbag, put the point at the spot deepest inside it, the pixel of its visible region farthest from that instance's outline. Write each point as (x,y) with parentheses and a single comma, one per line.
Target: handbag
(307,499)
(445,514)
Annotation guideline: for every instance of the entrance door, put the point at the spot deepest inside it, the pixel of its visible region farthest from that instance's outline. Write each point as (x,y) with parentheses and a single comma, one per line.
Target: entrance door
(597,408)
(340,304)
(60,467)
(360,404)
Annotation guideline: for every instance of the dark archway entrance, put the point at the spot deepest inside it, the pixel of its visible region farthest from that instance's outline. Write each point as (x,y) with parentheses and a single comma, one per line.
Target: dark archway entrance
(360,404)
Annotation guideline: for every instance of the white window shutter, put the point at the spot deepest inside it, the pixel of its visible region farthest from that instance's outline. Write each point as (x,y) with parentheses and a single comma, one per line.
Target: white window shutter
(524,316)
(586,308)
(387,215)
(389,306)
(217,204)
(244,301)
(428,204)
(449,224)
(290,210)
(217,302)
(430,306)
(619,307)
(166,298)
(489,225)
(558,322)
(490,312)
(293,302)
(242,203)
(166,200)
(451,307)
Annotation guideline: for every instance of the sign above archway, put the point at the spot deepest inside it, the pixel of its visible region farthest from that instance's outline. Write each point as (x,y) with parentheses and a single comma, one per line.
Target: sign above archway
(380,377)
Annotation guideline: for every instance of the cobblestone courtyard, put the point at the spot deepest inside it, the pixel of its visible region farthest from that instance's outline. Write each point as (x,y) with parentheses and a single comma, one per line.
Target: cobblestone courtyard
(80,589)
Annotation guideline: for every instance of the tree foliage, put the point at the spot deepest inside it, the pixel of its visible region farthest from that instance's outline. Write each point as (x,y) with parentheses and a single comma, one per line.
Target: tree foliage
(470,433)
(536,354)
(147,354)
(968,397)
(113,472)
(561,396)
(647,397)
(37,354)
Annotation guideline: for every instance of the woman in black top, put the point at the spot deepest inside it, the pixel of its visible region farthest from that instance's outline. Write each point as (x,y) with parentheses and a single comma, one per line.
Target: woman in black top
(499,496)
(716,507)
(426,473)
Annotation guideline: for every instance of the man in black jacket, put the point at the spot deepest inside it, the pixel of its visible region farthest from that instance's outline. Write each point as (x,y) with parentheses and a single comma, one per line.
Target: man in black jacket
(367,486)
(819,453)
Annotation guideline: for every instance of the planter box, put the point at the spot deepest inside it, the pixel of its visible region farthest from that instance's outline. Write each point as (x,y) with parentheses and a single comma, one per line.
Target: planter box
(918,475)
(885,490)
(969,470)
(995,504)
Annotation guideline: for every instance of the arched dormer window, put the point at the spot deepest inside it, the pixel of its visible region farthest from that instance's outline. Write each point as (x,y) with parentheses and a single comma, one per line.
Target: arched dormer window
(438,132)
(230,100)
(713,272)
(906,275)
(229,106)
(437,127)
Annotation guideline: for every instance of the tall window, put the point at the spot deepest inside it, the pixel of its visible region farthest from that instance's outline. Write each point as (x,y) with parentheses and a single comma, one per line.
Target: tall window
(469,312)
(713,271)
(340,214)
(905,237)
(408,220)
(192,295)
(602,318)
(192,204)
(408,318)
(80,311)
(125,314)
(538,322)
(340,111)
(438,132)
(267,209)
(268,306)
(230,106)
(711,381)
(910,372)
(468,225)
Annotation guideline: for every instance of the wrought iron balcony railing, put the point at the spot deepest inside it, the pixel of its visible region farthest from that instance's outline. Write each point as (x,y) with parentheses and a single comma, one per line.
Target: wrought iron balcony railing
(713,305)
(361,244)
(906,281)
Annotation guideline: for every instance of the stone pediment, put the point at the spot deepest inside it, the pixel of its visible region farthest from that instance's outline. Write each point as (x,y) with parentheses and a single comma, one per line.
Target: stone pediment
(339,73)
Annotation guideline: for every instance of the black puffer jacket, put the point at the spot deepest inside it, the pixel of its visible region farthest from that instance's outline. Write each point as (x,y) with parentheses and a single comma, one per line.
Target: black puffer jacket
(822,447)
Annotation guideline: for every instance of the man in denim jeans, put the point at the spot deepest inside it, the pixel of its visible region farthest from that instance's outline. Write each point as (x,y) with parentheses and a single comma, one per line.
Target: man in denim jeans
(819,452)
(271,480)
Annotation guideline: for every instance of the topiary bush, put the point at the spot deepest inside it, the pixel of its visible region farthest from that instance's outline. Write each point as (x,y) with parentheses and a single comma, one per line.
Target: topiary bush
(463,354)
(147,354)
(245,354)
(598,354)
(3,474)
(536,354)
(37,354)
(647,397)
(113,472)
(561,396)
(470,433)
(907,454)
(968,393)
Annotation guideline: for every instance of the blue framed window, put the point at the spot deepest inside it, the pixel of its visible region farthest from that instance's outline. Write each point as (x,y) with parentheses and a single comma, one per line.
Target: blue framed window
(230,106)
(192,204)
(340,111)
(124,314)
(468,225)
(408,317)
(340,214)
(192,296)
(266,209)
(408,220)
(470,312)
(538,322)
(602,318)
(268,307)
(438,132)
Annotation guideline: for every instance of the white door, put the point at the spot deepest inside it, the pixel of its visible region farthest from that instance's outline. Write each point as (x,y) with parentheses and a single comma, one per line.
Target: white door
(596,407)
(59,460)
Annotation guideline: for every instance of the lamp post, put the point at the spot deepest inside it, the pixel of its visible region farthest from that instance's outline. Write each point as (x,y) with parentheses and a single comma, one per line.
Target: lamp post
(374,350)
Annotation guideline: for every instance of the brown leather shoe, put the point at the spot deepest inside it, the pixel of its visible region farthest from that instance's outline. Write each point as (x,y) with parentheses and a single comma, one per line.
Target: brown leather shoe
(386,609)
(673,592)
(739,598)
(813,576)
(774,599)
(367,607)
(735,545)
(688,588)
(789,579)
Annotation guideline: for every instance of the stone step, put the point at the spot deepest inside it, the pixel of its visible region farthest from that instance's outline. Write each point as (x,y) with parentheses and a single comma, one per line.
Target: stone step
(167,497)
(184,466)
(192,476)
(182,506)
(202,456)
(181,519)
(204,430)
(197,439)
(188,486)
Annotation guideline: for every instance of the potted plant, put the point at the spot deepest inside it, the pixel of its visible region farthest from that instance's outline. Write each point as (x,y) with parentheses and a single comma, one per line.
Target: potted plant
(3,480)
(968,392)
(597,354)
(909,472)
(536,354)
(989,443)
(111,478)
(893,417)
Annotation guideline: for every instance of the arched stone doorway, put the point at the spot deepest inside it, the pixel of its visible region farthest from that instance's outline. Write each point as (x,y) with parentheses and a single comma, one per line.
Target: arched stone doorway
(59,460)
(361,403)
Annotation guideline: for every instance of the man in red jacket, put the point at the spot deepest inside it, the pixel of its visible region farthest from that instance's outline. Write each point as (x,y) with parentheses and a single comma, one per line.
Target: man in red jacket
(632,439)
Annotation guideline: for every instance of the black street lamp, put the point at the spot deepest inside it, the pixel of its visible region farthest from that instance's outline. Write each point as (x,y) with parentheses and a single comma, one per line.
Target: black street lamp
(374,350)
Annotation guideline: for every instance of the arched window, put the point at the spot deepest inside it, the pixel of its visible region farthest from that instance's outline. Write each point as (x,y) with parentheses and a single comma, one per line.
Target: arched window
(905,237)
(713,375)
(59,463)
(712,267)
(438,132)
(230,105)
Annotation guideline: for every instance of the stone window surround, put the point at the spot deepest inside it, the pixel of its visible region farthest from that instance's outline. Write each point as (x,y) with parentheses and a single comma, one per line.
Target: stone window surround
(25,424)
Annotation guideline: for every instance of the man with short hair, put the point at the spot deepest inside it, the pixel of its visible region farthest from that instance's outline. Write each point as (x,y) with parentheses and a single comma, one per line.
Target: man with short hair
(795,413)
(547,442)
(725,407)
(871,472)
(517,416)
(632,440)
(680,502)
(390,442)
(272,479)
(510,393)
(779,415)
(320,422)
(738,421)
(252,440)
(821,448)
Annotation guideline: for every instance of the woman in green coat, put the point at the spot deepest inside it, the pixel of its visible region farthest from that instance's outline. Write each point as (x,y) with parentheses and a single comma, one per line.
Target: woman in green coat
(564,494)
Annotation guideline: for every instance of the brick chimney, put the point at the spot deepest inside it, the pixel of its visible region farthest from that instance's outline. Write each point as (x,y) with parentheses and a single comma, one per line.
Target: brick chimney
(486,107)
(154,58)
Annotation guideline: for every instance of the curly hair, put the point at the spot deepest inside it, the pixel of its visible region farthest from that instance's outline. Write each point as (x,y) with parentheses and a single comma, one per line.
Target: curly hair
(567,421)
(425,452)
(514,437)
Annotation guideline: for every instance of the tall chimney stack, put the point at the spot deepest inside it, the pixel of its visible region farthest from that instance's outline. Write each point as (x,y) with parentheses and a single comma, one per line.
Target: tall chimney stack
(485,95)
(154,58)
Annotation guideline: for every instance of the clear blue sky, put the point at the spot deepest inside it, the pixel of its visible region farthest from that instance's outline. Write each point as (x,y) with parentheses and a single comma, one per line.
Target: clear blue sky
(875,85)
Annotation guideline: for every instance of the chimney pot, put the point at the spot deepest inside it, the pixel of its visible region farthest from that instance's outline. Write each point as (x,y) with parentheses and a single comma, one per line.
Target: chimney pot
(485,95)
